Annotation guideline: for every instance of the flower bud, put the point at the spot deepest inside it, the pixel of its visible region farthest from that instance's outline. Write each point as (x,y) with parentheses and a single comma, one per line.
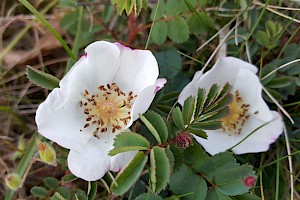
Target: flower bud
(13,181)
(249,181)
(183,140)
(47,152)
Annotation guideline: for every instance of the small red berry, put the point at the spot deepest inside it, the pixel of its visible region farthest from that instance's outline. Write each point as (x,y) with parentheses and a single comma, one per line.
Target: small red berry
(249,181)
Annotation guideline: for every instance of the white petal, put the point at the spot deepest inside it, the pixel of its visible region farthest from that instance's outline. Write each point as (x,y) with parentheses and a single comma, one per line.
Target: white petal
(138,70)
(60,119)
(190,89)
(250,89)
(216,142)
(145,98)
(121,160)
(225,70)
(232,62)
(261,139)
(93,161)
(98,67)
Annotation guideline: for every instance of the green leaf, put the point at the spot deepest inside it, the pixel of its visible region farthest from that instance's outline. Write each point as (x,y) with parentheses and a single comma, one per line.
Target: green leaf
(188,109)
(198,132)
(64,191)
(126,5)
(225,90)
(169,97)
(151,128)
(215,115)
(68,178)
(273,28)
(216,195)
(138,6)
(159,32)
(178,155)
(230,181)
(177,118)
(158,122)
(51,182)
(170,157)
(169,61)
(160,11)
(206,125)
(223,99)
(279,82)
(201,97)
(148,196)
(128,176)
(68,20)
(118,150)
(212,95)
(130,139)
(93,190)
(80,196)
(199,23)
(220,104)
(262,38)
(247,197)
(178,30)
(57,196)
(185,181)
(172,8)
(39,191)
(195,156)
(42,79)
(217,163)
(160,169)
(145,4)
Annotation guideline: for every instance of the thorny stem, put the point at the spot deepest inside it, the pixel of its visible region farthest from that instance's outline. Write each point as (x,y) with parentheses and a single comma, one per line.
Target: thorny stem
(132,31)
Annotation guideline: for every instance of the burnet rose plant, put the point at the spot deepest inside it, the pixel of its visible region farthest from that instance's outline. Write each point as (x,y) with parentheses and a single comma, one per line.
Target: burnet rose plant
(97,99)
(247,111)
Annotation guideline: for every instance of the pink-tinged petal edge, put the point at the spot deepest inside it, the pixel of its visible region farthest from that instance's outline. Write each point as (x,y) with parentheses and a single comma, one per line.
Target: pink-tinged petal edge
(160,83)
(145,98)
(121,46)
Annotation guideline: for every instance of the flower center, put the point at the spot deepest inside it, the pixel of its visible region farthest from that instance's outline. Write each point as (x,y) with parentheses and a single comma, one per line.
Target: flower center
(233,122)
(107,110)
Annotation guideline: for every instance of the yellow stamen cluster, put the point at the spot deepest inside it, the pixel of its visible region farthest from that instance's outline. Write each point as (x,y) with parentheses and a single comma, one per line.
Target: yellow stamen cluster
(233,122)
(107,110)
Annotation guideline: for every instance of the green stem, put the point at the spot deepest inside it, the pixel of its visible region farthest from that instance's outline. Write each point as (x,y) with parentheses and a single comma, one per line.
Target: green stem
(148,39)
(41,18)
(25,161)
(77,41)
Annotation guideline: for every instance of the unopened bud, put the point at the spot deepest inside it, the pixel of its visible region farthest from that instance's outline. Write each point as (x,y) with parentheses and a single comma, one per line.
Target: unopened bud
(47,152)
(183,140)
(249,181)
(13,181)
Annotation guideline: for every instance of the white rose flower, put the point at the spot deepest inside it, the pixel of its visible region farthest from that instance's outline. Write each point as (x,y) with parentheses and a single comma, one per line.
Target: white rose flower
(99,97)
(248,110)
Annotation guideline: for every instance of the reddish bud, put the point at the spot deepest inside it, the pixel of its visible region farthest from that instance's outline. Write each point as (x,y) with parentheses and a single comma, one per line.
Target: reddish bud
(183,140)
(249,181)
